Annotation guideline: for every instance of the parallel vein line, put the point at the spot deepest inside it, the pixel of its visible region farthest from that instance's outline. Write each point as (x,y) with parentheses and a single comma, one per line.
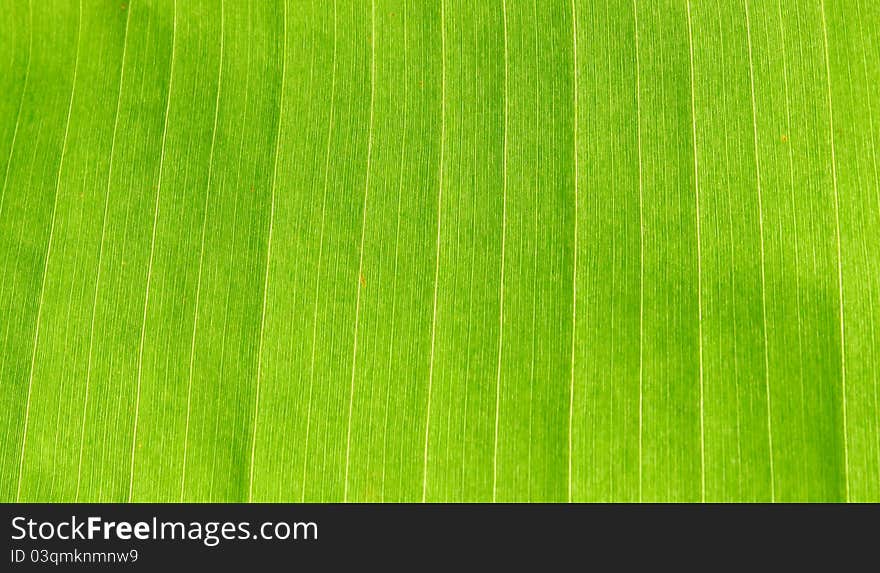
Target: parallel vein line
(839,257)
(357,311)
(49,252)
(699,255)
(403,142)
(268,258)
(101,251)
(575,247)
(192,351)
(536,222)
(763,258)
(792,188)
(140,365)
(437,258)
(320,258)
(641,235)
(503,240)
(612,172)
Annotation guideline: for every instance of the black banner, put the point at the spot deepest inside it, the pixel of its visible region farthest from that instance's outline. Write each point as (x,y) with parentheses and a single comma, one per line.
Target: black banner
(281,537)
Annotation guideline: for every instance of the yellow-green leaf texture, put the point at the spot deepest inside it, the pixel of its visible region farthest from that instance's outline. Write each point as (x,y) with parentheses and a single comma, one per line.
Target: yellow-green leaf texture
(439,250)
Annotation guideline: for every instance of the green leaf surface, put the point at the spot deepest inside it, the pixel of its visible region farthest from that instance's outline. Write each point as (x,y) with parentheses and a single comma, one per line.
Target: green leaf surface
(445,250)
